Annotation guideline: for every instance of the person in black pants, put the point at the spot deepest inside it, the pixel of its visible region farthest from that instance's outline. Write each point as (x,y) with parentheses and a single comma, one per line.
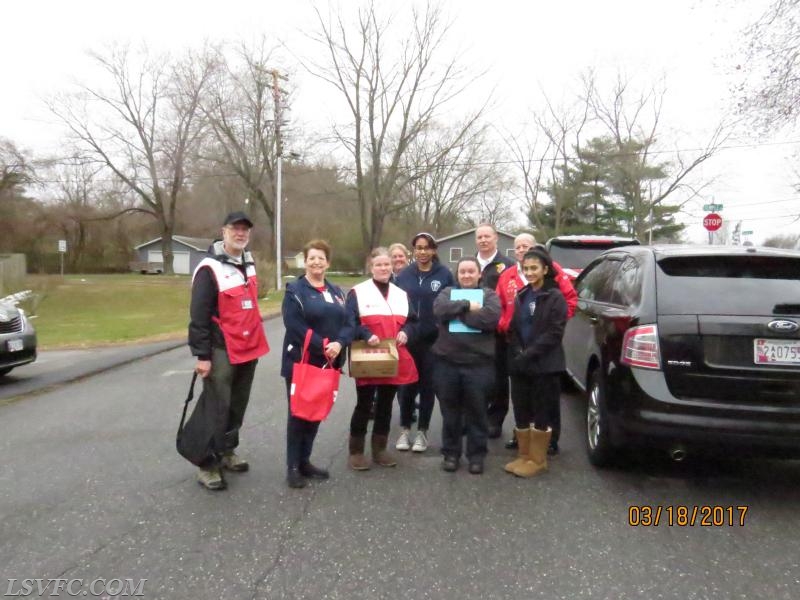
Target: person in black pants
(464,369)
(493,263)
(536,361)
(378,310)
(422,280)
(311,302)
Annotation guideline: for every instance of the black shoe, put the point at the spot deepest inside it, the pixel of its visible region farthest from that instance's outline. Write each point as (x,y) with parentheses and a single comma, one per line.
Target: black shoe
(295,479)
(552,450)
(309,470)
(476,467)
(450,464)
(494,431)
(512,444)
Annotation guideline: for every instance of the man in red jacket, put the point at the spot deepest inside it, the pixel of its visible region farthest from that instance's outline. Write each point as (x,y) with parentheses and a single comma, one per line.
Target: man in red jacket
(510,282)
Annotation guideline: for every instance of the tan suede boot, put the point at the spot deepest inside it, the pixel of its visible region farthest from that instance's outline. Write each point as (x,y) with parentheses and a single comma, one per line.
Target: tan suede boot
(379,454)
(357,461)
(537,454)
(523,444)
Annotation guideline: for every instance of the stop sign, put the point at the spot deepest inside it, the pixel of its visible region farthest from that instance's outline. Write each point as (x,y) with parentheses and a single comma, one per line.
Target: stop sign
(712,221)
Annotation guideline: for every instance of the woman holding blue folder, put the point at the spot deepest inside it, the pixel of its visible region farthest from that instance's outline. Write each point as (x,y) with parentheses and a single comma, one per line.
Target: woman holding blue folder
(463,378)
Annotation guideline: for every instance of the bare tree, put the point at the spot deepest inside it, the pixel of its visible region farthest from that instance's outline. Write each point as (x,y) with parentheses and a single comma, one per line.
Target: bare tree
(450,169)
(644,179)
(16,169)
(393,98)
(240,109)
(769,90)
(143,128)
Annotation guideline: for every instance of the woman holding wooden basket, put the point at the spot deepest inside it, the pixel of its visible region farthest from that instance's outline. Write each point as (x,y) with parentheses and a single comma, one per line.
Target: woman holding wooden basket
(377,311)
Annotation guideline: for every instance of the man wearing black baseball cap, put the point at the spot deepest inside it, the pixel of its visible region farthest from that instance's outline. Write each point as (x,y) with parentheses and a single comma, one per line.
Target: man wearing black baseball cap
(227,337)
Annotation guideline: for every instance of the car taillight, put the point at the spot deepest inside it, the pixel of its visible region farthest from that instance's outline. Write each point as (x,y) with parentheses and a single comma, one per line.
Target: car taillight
(640,347)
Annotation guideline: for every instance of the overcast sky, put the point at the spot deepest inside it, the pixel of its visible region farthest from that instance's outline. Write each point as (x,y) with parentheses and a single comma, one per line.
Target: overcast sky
(523,46)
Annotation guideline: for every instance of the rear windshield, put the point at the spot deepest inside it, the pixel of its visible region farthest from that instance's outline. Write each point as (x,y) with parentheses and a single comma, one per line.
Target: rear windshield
(728,285)
(578,255)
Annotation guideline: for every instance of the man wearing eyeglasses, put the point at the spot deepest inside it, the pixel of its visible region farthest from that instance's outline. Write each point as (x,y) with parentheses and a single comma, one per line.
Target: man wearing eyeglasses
(227,338)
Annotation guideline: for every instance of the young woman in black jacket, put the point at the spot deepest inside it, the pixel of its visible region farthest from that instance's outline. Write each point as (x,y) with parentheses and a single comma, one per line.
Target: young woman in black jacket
(536,360)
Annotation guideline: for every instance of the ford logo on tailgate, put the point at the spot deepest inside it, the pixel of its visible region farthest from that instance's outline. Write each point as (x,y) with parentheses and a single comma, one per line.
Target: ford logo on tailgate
(783,326)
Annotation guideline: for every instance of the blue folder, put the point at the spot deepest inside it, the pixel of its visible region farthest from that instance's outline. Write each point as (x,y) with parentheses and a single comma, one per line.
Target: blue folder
(473,295)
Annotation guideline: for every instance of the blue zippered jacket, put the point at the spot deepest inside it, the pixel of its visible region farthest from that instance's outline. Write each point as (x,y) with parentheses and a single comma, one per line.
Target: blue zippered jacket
(304,307)
(422,288)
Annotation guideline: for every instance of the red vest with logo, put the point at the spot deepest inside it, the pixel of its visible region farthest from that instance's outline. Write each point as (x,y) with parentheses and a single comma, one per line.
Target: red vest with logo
(384,317)
(239,317)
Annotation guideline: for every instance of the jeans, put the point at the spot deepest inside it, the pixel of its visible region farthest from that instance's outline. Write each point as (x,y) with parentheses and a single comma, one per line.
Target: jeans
(463,391)
(383,395)
(229,387)
(537,400)
(300,435)
(423,359)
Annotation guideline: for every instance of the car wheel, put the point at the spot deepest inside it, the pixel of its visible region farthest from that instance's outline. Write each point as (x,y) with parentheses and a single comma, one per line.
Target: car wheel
(598,438)
(5,371)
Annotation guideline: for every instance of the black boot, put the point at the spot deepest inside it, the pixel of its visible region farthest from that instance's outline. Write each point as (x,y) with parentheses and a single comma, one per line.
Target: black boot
(309,470)
(295,479)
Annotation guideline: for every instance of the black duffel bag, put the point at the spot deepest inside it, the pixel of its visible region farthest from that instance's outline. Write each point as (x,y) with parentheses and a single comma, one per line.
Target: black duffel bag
(195,438)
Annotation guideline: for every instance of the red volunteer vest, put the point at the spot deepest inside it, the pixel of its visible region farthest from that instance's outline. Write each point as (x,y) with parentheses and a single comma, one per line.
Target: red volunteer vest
(384,317)
(239,317)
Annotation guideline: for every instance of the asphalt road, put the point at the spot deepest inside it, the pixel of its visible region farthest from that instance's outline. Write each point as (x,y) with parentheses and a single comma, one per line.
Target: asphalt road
(91,487)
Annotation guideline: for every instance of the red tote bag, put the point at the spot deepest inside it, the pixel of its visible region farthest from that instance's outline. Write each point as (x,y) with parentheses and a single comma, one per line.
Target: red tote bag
(314,389)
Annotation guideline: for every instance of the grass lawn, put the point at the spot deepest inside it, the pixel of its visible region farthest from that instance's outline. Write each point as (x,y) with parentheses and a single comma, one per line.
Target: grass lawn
(93,310)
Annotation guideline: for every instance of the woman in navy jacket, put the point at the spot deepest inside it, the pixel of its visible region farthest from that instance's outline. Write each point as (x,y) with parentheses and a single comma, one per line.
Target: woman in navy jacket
(311,302)
(422,280)
(536,361)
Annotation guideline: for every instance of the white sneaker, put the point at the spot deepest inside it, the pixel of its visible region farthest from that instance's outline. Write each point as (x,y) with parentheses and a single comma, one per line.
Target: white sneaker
(403,443)
(420,442)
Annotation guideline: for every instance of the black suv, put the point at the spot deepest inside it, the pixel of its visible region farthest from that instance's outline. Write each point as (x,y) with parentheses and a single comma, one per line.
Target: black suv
(682,346)
(574,252)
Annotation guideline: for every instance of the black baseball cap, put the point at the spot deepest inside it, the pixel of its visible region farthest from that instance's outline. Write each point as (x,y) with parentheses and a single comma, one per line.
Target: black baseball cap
(238,217)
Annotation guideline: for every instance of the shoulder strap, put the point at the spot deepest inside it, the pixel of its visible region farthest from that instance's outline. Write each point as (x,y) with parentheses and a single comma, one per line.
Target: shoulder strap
(188,400)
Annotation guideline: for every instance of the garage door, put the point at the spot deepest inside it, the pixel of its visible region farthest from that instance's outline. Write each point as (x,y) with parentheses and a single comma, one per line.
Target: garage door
(180,260)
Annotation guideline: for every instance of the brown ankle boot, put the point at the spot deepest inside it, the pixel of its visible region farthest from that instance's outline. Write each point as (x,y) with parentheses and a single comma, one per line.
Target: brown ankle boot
(379,454)
(537,454)
(523,445)
(358,462)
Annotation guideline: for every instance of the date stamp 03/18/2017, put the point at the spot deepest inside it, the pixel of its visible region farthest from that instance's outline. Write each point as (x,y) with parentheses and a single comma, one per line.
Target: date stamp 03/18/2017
(682,515)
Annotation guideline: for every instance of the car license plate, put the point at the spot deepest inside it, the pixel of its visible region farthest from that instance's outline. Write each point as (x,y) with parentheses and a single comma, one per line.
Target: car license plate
(776,352)
(15,345)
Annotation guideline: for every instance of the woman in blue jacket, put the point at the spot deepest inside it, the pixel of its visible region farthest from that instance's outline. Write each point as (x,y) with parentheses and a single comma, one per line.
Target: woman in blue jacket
(311,302)
(422,280)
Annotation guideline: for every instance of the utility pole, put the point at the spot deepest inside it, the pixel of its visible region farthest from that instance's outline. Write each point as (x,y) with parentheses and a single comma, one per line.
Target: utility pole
(278,104)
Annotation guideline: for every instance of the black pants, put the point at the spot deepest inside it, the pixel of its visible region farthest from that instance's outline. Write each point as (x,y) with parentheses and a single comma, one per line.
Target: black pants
(498,400)
(423,359)
(537,399)
(300,435)
(463,391)
(383,395)
(229,387)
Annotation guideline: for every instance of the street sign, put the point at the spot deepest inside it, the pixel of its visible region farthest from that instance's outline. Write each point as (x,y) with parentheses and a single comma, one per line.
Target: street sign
(712,221)
(747,233)
(62,245)
(712,207)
